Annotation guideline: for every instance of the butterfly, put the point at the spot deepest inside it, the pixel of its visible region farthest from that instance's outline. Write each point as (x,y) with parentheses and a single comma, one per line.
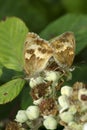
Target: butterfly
(37,52)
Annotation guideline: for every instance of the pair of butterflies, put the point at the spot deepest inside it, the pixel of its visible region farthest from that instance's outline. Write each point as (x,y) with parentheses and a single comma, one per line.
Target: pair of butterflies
(37,52)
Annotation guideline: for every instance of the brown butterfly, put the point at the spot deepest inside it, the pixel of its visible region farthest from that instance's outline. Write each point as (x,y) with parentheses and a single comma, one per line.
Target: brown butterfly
(37,52)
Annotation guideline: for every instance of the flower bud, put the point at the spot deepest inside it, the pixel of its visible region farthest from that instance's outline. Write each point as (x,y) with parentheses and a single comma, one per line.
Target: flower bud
(52,76)
(67,117)
(66,90)
(50,123)
(21,116)
(63,101)
(35,81)
(32,112)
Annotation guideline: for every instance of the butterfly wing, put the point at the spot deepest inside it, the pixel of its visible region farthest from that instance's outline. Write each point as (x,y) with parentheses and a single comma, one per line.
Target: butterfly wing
(64,49)
(37,52)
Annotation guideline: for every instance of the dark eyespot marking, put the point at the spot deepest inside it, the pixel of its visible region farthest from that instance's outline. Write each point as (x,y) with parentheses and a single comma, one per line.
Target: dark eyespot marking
(30,51)
(42,50)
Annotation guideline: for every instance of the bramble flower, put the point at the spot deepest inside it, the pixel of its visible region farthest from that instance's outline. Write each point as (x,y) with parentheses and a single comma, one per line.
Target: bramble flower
(67,108)
(41,90)
(48,107)
(75,116)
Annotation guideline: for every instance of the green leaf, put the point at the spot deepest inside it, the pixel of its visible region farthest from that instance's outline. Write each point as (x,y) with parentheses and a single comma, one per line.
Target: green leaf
(77,6)
(1,67)
(10,90)
(69,22)
(12,35)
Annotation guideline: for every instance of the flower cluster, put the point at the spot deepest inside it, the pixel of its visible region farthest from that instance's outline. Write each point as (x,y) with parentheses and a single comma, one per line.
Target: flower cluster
(73,107)
(44,110)
(51,108)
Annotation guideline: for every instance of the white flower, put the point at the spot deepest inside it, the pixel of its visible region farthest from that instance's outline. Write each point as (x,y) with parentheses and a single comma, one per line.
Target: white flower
(66,90)
(35,81)
(67,117)
(85,126)
(52,76)
(38,101)
(21,116)
(63,101)
(33,112)
(50,123)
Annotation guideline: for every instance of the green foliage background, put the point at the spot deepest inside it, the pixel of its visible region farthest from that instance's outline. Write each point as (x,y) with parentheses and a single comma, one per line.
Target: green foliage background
(38,14)
(48,18)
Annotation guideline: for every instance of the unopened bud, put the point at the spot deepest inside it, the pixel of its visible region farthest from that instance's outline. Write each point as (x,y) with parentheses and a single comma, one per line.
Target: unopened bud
(66,90)
(32,112)
(21,116)
(52,76)
(63,101)
(35,81)
(67,117)
(50,123)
